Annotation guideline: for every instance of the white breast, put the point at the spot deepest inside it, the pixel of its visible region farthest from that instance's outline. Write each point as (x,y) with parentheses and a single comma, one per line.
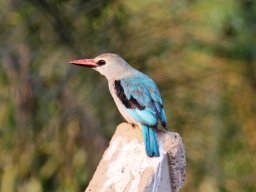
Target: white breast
(122,109)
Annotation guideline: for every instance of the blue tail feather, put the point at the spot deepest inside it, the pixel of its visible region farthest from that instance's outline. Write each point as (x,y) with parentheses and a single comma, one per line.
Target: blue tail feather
(150,141)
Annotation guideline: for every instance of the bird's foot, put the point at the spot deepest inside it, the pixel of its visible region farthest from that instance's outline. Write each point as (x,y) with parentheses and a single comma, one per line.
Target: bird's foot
(161,130)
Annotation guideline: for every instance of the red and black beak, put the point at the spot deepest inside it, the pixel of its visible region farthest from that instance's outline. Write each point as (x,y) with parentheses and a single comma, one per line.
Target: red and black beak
(85,63)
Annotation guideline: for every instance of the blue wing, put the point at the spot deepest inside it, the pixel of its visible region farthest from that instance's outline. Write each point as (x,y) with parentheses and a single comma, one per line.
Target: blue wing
(142,99)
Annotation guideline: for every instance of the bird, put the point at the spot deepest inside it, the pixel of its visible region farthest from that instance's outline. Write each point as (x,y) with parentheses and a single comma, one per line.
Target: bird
(135,94)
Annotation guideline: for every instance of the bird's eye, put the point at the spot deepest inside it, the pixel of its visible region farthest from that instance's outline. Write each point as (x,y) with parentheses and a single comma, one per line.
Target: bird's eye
(101,62)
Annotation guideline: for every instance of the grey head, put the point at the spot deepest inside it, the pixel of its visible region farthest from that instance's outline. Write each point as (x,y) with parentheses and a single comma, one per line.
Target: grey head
(112,66)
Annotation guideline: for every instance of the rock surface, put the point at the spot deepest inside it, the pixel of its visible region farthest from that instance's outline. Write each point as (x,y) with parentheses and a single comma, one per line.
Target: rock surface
(125,167)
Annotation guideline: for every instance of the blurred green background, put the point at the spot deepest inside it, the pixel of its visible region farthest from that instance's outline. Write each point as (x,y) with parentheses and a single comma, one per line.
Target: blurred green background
(57,119)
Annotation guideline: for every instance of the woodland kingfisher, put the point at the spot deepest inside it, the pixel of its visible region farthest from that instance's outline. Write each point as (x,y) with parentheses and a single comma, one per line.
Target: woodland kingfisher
(135,94)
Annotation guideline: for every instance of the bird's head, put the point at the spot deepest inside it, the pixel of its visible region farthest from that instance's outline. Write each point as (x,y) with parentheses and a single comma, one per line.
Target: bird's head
(110,65)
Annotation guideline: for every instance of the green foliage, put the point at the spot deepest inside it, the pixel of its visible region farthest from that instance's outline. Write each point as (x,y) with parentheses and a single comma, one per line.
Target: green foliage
(56,119)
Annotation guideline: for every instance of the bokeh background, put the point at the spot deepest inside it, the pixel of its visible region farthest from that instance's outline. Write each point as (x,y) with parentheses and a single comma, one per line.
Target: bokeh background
(57,119)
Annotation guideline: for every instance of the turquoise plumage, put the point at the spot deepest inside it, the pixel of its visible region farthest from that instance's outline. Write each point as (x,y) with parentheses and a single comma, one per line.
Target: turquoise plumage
(144,104)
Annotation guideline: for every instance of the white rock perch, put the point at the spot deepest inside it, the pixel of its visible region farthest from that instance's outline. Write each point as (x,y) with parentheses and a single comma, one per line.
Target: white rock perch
(125,167)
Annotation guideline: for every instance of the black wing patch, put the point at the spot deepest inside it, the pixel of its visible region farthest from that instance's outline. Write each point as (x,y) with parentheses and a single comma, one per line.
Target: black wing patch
(129,103)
